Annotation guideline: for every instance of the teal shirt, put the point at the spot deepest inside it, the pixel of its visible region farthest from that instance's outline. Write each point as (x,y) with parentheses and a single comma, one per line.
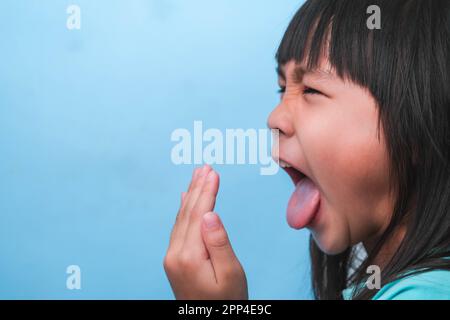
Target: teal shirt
(429,285)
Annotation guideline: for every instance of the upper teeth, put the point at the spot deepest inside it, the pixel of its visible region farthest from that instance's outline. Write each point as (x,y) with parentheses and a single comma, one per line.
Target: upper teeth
(284,164)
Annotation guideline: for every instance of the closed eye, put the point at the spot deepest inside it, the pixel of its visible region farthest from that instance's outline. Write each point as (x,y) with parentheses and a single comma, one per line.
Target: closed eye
(308,90)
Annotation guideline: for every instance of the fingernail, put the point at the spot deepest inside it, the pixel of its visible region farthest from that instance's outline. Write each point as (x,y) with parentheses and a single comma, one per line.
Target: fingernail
(211,220)
(203,170)
(210,176)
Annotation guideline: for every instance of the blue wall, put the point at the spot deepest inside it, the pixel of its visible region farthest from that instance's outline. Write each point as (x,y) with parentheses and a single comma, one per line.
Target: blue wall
(86,116)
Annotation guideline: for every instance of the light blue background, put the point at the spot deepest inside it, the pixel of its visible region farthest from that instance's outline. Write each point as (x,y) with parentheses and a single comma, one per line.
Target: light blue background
(85,121)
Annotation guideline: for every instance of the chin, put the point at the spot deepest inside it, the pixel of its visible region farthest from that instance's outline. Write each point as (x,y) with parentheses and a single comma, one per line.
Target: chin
(328,244)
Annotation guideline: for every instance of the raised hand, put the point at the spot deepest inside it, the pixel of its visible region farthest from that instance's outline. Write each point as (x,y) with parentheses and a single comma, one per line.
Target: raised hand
(200,262)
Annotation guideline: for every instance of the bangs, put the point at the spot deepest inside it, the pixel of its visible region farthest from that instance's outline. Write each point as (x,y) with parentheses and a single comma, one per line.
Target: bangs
(337,30)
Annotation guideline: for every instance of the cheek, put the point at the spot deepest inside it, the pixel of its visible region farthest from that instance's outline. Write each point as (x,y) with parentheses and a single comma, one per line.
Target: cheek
(348,154)
(361,194)
(349,161)
(360,164)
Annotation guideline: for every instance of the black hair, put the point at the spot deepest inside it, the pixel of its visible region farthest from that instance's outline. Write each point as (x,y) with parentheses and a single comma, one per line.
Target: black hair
(405,65)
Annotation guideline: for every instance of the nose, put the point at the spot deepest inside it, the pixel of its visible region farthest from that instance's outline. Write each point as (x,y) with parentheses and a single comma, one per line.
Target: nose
(281,119)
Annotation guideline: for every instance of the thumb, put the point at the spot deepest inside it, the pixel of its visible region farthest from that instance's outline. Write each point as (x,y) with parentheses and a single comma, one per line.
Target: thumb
(218,245)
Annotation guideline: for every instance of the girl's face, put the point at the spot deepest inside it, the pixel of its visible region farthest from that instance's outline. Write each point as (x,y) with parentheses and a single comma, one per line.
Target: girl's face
(328,131)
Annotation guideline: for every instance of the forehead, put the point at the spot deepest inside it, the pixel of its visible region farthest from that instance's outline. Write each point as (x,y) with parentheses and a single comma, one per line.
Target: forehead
(297,71)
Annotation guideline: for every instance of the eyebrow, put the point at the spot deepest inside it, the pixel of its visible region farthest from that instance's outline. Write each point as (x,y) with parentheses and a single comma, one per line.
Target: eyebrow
(300,72)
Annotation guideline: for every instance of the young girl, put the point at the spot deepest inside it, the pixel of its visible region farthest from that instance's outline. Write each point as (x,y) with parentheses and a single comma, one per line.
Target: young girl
(364,133)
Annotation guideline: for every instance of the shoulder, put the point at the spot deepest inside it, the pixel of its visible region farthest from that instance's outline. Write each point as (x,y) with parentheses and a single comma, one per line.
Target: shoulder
(433,285)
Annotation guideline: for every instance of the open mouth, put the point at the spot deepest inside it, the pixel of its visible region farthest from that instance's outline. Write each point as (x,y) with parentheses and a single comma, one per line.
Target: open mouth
(295,174)
(305,200)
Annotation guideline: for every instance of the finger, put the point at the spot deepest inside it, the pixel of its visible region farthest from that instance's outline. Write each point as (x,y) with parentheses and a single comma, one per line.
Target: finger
(218,245)
(174,233)
(184,196)
(178,231)
(195,176)
(205,203)
(188,202)
(207,197)
(183,200)
(193,194)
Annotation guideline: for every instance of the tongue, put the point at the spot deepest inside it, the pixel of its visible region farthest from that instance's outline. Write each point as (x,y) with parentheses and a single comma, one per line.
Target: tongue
(303,204)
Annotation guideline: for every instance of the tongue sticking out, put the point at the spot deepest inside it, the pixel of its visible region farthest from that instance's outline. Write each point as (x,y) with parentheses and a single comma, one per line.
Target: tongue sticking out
(303,204)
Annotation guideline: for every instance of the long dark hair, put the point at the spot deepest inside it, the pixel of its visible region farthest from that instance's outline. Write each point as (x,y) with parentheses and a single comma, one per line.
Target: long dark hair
(406,67)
